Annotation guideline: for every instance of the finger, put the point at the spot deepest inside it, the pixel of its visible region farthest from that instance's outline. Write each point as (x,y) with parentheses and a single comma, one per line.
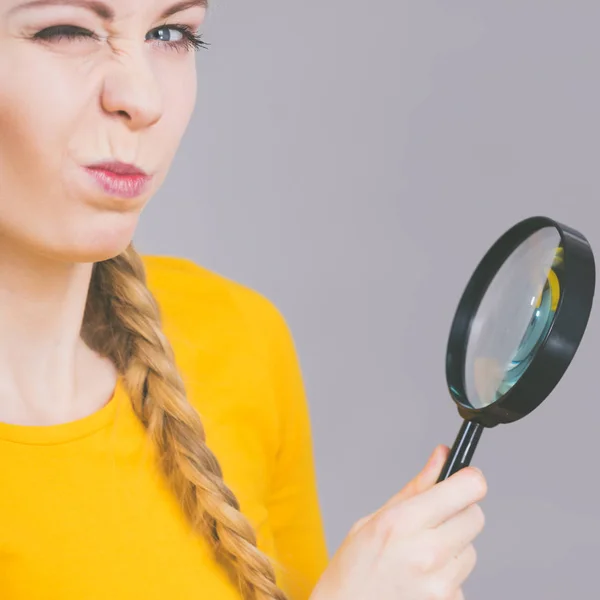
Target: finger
(423,481)
(459,595)
(457,533)
(443,500)
(428,476)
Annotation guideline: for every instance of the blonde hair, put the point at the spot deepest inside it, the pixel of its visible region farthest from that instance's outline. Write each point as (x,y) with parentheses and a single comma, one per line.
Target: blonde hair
(122,322)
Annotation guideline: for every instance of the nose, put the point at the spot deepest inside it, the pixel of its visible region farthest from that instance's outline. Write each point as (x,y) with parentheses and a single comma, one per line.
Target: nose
(131,92)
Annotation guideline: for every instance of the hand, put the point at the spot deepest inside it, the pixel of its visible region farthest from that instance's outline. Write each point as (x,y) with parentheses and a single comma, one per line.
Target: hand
(418,546)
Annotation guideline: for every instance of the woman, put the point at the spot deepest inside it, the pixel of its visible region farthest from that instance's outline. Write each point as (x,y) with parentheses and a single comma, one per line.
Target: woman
(110,489)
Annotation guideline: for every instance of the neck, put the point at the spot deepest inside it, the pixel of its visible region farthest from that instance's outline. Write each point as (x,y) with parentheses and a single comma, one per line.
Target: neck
(44,364)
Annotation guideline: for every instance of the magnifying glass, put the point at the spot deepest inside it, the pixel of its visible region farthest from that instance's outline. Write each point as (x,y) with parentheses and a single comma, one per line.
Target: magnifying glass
(517,327)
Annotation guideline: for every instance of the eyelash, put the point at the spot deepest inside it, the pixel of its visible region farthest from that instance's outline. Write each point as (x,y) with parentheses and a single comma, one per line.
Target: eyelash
(190,41)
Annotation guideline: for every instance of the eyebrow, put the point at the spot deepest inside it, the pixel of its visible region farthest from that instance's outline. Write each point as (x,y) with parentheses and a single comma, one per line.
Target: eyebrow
(105,12)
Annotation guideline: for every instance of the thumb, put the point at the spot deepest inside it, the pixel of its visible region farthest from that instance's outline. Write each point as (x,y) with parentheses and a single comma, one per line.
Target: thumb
(428,476)
(426,479)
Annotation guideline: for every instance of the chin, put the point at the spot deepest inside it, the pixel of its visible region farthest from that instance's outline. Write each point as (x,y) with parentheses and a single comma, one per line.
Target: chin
(94,254)
(99,240)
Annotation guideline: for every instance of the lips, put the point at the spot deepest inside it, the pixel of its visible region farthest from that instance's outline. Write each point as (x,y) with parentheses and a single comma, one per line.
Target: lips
(118,168)
(119,180)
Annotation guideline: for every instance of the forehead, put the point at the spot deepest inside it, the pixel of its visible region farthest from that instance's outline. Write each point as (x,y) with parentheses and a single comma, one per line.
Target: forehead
(109,9)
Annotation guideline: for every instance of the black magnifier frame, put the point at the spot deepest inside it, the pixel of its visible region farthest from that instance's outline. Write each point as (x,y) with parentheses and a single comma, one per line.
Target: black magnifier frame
(554,354)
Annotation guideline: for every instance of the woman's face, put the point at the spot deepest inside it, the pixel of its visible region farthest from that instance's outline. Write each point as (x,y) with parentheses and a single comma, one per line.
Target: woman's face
(84,83)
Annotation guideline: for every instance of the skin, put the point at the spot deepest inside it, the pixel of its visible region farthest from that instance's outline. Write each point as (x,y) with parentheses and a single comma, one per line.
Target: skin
(66,103)
(417,546)
(127,95)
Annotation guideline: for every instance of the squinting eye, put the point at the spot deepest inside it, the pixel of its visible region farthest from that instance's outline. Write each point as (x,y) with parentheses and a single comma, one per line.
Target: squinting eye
(67,32)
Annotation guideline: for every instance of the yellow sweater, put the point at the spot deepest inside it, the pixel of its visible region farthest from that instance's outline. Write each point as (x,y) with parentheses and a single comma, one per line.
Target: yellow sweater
(84,514)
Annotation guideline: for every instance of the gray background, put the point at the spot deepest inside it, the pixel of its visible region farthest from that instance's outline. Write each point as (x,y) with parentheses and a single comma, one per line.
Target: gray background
(353,160)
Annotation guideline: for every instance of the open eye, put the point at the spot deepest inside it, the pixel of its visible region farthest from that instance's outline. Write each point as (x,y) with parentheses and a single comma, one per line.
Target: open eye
(179,36)
(167,34)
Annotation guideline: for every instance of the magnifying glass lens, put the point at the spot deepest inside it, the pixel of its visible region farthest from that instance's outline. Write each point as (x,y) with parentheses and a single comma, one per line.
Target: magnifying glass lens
(540,323)
(513,318)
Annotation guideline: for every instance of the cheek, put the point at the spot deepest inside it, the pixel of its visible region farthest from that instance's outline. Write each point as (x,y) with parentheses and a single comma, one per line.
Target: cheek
(40,104)
(178,86)
(43,101)
(179,83)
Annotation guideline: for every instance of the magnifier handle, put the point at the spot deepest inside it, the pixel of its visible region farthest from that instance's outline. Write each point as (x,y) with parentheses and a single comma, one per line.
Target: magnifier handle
(463,449)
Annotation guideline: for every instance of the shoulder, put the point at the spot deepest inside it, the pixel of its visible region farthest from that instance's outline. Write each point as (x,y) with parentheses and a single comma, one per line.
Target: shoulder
(194,292)
(203,308)
(232,347)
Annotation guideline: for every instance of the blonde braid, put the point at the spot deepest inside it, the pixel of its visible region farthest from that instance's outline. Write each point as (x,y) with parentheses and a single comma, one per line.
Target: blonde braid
(122,322)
